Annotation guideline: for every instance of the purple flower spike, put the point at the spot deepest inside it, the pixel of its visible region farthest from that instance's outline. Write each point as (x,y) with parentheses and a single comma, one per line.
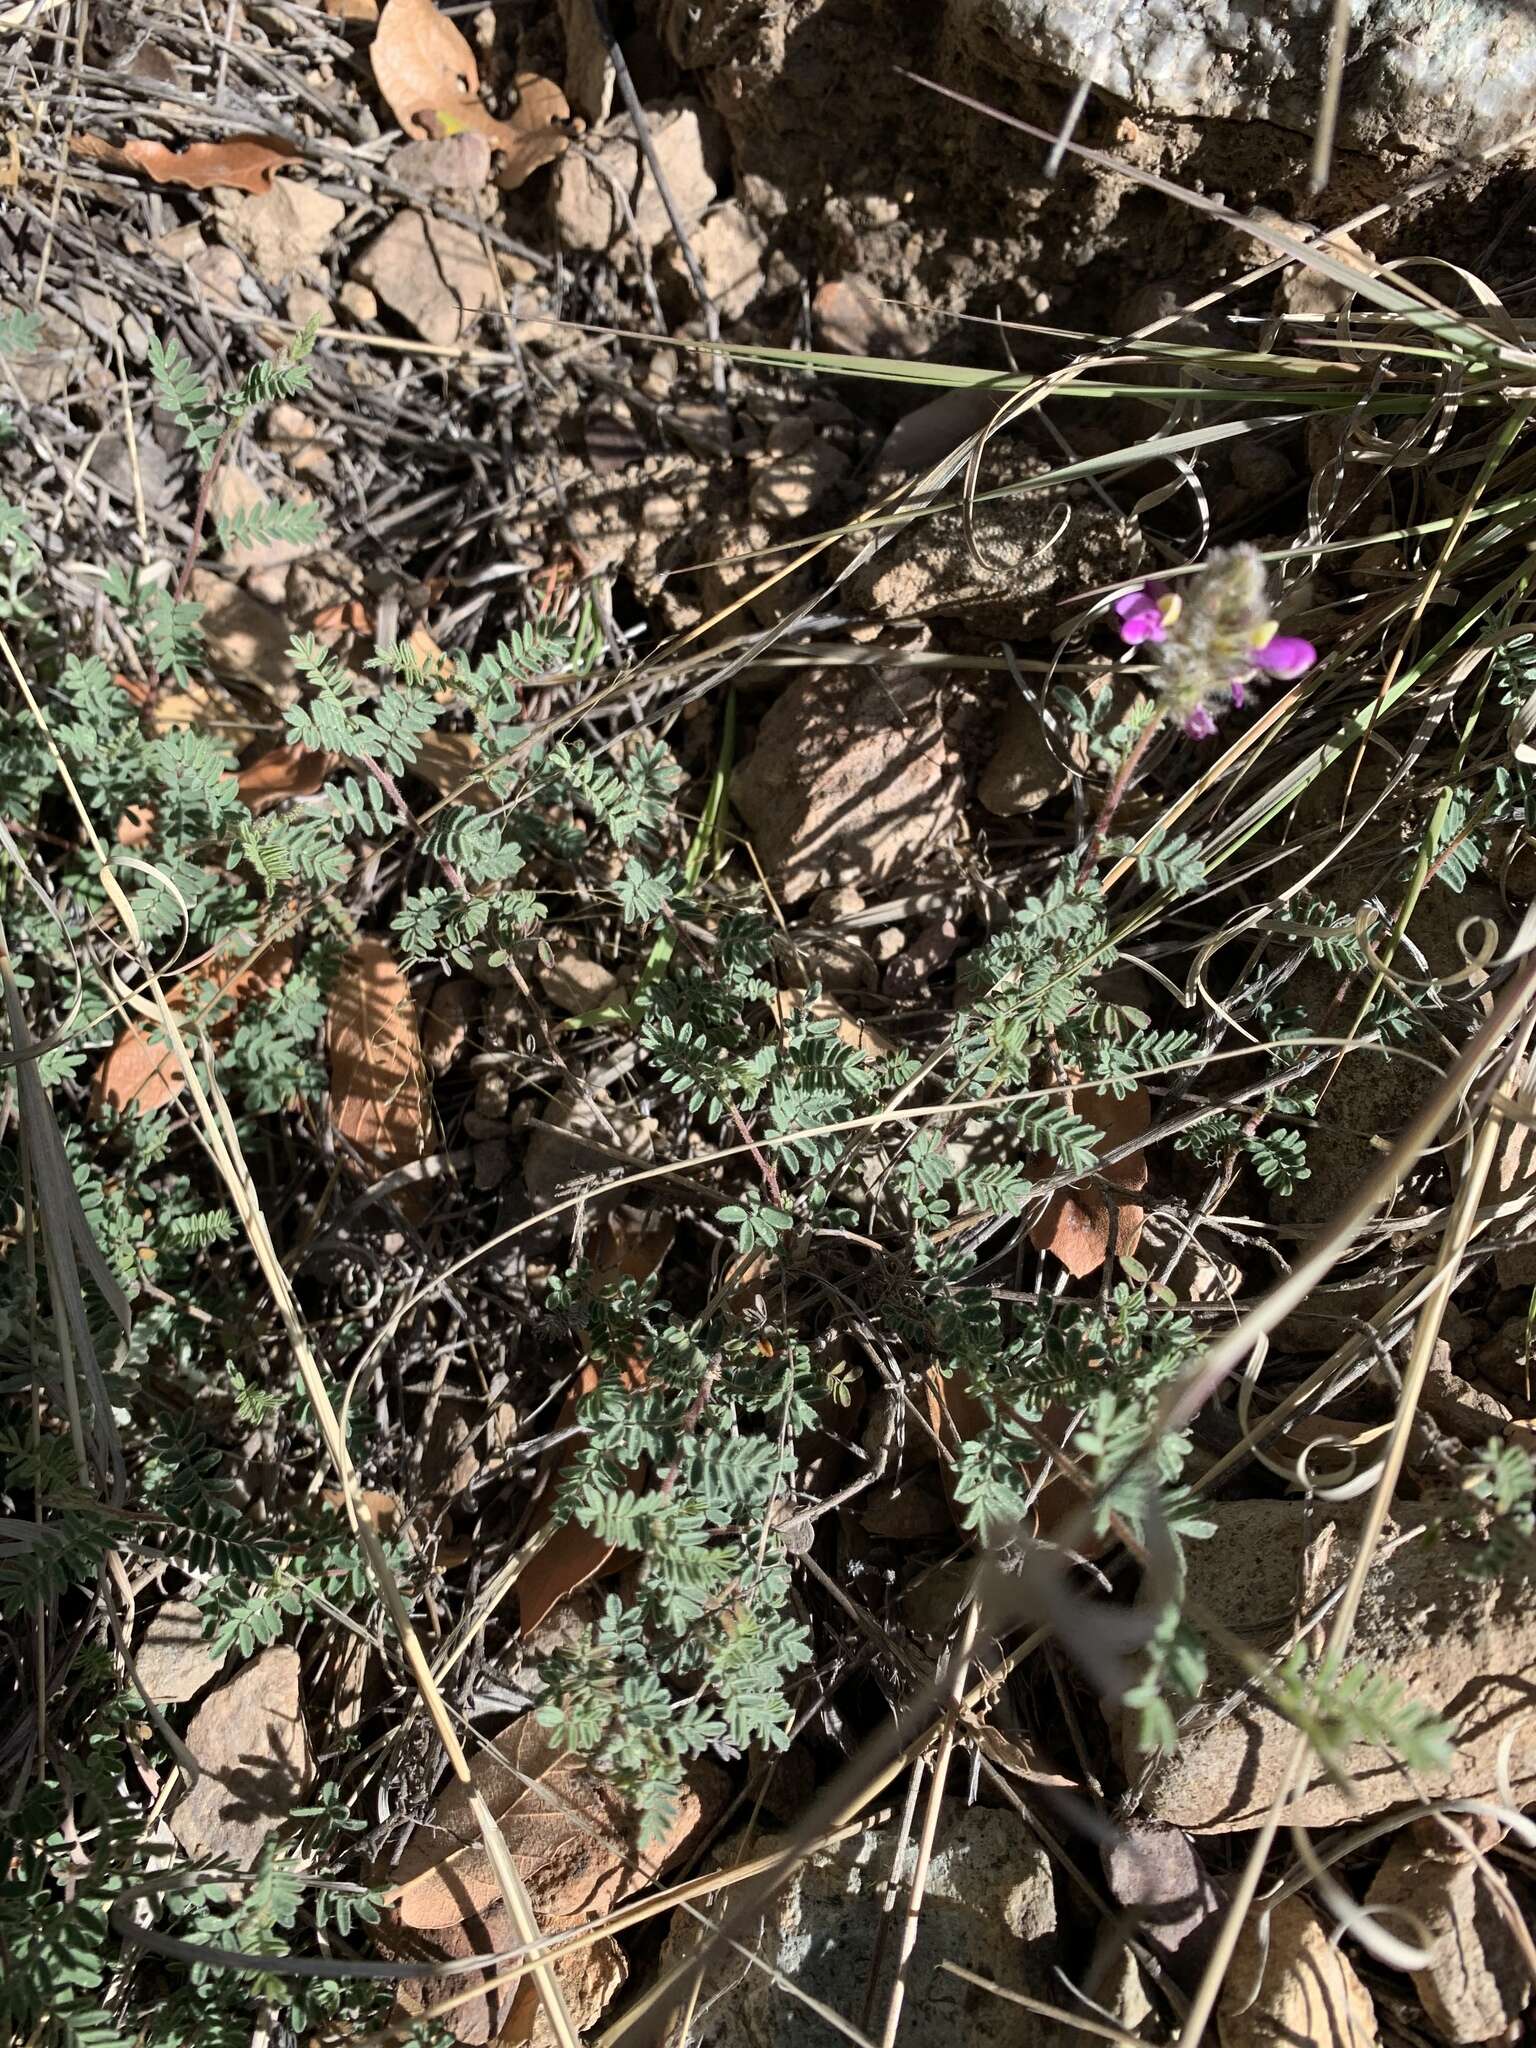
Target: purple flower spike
(1141,616)
(1285,657)
(1199,724)
(1239,694)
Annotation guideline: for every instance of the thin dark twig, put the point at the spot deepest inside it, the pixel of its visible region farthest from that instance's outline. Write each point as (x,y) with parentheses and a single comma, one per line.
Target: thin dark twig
(636,113)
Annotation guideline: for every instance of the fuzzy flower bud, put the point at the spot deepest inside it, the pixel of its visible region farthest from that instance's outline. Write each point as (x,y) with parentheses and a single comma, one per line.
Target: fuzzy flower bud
(1214,639)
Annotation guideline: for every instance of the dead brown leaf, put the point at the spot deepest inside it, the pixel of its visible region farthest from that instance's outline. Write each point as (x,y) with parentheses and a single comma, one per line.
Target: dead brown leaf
(250,1741)
(421,62)
(573,1557)
(956,1416)
(574,1840)
(1075,1225)
(380,1102)
(511,2013)
(281,772)
(140,1070)
(427,75)
(365,11)
(450,761)
(245,163)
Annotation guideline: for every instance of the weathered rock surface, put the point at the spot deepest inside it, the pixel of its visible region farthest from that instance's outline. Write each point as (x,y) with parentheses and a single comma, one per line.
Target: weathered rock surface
(174,1660)
(852,779)
(989,1906)
(1476,1982)
(1460,1646)
(596,191)
(1028,550)
(1289,1983)
(251,1744)
(1441,76)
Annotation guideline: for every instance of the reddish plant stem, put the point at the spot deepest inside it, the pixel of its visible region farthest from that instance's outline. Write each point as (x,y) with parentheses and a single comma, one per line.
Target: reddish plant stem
(760,1158)
(200,510)
(1116,796)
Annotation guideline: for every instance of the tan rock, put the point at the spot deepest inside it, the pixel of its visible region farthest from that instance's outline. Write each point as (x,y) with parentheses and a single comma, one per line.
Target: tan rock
(576,983)
(1288,1983)
(588,213)
(1456,1645)
(850,315)
(589,73)
(1030,762)
(573,1144)
(281,231)
(173,1658)
(299,440)
(796,484)
(851,780)
(220,273)
(357,301)
(457,163)
(1029,552)
(1476,1983)
(306,304)
(253,1753)
(729,248)
(431,272)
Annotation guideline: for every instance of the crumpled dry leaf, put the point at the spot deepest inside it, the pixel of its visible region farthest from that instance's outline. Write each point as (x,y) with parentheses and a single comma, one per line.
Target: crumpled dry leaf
(574,1839)
(510,2015)
(245,163)
(281,772)
(1075,1225)
(428,78)
(141,1071)
(380,1101)
(573,1557)
(250,1740)
(448,760)
(956,1416)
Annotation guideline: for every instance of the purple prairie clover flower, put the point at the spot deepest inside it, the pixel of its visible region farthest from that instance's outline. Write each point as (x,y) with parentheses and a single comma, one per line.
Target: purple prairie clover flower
(1211,643)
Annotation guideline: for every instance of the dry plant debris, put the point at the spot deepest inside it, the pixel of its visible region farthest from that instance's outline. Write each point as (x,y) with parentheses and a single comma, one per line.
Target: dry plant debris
(837,805)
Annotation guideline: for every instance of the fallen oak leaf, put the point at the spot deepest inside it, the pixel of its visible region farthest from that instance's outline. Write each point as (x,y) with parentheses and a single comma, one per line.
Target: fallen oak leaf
(572,1836)
(537,132)
(280,772)
(141,1071)
(380,1101)
(573,1557)
(421,62)
(427,76)
(245,163)
(450,762)
(508,2014)
(1075,1225)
